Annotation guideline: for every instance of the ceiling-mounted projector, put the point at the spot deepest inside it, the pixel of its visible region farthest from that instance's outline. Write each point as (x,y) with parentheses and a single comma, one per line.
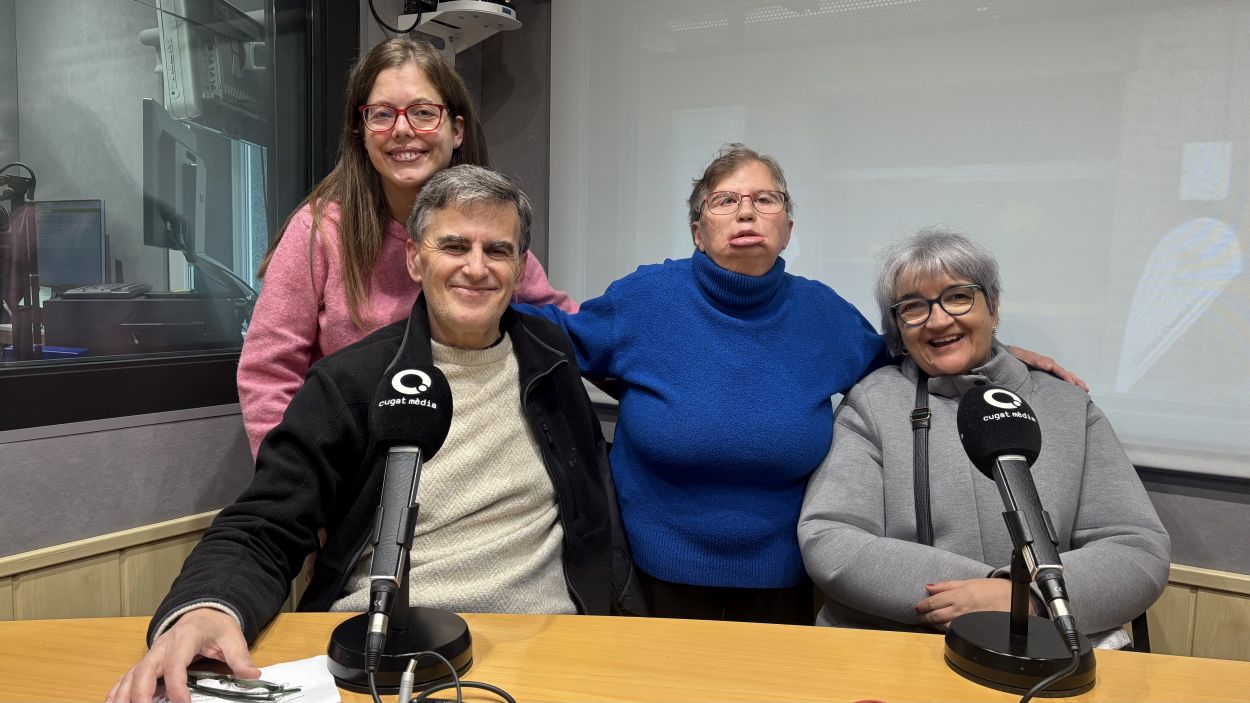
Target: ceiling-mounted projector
(463,23)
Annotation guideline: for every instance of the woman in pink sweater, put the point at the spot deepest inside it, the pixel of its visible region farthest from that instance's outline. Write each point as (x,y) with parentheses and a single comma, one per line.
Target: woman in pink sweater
(337,271)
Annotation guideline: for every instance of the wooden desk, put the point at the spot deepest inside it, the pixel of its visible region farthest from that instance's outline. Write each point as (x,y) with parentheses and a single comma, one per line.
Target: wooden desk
(570,658)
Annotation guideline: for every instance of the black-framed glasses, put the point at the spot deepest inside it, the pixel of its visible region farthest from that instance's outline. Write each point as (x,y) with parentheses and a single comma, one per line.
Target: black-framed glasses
(955,300)
(423,117)
(727,202)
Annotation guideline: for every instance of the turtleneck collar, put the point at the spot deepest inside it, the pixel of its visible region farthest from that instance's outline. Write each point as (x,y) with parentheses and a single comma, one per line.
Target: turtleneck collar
(738,293)
(1003,369)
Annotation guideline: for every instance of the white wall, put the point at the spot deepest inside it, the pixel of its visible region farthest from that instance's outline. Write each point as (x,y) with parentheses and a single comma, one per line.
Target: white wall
(1099,147)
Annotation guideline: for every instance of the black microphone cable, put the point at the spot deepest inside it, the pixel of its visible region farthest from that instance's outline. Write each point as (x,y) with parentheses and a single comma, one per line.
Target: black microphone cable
(1065,623)
(406,681)
(425,695)
(394,30)
(1075,648)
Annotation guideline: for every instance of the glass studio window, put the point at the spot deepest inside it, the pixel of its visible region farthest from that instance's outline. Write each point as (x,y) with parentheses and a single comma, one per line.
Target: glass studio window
(138,178)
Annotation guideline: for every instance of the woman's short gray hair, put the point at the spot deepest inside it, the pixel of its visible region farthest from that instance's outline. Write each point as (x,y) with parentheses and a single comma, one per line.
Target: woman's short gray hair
(730,158)
(933,251)
(464,186)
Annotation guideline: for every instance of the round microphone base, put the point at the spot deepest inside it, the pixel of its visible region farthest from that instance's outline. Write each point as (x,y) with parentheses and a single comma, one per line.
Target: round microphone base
(979,647)
(424,629)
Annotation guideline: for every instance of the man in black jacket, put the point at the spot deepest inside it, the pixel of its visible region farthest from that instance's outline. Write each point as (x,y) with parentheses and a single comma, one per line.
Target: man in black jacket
(518,513)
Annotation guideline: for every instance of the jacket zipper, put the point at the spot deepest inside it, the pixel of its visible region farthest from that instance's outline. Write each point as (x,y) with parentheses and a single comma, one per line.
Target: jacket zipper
(548,459)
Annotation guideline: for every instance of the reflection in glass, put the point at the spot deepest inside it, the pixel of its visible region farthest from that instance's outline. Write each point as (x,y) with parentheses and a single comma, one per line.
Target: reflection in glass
(144,217)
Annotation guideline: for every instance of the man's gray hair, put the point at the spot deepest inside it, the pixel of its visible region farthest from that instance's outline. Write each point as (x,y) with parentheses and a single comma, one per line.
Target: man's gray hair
(729,159)
(465,186)
(931,252)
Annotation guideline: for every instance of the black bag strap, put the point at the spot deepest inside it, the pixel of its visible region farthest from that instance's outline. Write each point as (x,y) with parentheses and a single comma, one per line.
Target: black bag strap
(920,459)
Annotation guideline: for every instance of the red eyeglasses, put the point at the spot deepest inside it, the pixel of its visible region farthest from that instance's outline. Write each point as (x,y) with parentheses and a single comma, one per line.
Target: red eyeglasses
(423,117)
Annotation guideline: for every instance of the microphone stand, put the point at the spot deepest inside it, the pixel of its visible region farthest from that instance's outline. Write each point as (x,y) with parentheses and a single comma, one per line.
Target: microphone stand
(1013,651)
(19,265)
(412,630)
(1019,601)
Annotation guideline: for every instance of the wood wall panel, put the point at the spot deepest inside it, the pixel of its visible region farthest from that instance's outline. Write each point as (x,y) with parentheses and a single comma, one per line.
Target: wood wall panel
(1222,626)
(1171,621)
(148,571)
(6,599)
(86,588)
(58,554)
(298,586)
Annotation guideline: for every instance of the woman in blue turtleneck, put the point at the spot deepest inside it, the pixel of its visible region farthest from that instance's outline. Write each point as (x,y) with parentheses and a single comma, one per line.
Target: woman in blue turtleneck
(726,365)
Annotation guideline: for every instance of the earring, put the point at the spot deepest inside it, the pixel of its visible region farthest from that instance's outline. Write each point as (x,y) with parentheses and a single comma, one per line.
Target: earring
(995,330)
(905,352)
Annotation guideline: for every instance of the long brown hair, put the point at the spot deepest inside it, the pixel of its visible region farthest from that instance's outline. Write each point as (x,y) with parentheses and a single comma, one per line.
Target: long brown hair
(356,186)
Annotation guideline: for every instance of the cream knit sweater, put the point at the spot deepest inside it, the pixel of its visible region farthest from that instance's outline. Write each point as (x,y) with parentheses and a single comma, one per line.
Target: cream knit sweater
(488,535)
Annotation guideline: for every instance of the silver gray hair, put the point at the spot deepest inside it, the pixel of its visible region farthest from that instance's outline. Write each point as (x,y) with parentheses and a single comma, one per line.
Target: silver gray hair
(464,186)
(933,251)
(730,158)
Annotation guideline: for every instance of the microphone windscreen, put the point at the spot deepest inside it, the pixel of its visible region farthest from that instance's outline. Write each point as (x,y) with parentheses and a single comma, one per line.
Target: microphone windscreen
(412,406)
(994,422)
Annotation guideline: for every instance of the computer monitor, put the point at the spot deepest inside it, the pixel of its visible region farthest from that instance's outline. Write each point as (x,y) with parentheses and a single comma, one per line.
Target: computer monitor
(70,236)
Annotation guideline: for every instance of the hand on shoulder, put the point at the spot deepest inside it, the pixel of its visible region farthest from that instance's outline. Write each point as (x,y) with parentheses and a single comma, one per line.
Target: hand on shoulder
(1049,365)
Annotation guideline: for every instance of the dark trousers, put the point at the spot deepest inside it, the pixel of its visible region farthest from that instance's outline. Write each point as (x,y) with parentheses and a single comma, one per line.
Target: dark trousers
(786,606)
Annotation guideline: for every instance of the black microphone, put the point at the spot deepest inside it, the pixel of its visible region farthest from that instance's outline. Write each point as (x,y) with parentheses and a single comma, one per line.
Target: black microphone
(1002,438)
(410,418)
